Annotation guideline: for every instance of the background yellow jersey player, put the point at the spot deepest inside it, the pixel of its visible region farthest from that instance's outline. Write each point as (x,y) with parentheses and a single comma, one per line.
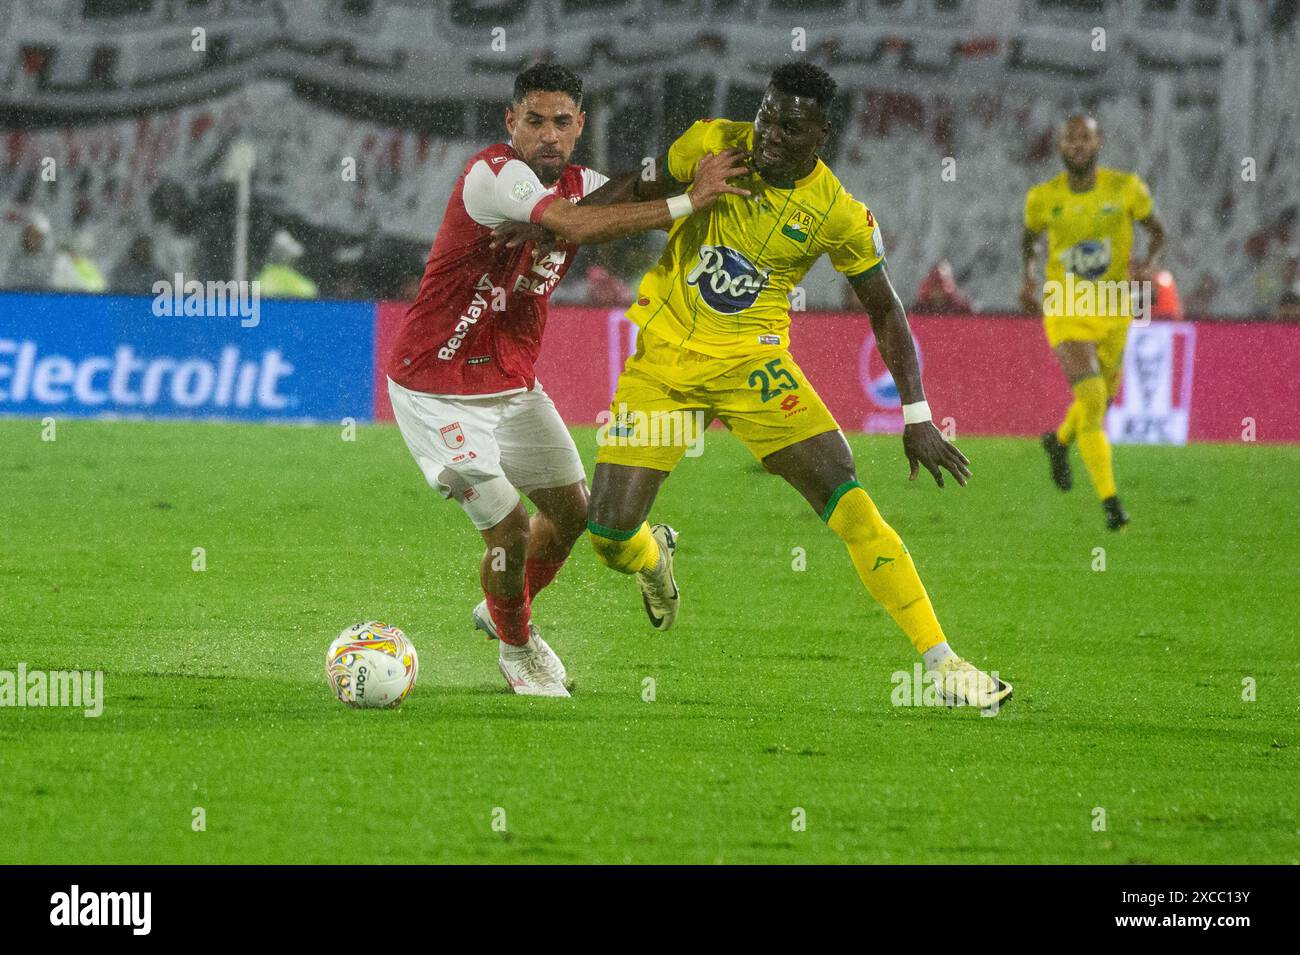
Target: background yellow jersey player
(714,338)
(1088,213)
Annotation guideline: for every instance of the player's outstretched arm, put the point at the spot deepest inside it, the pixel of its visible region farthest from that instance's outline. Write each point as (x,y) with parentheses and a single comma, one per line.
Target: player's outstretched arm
(651,182)
(922,442)
(584,224)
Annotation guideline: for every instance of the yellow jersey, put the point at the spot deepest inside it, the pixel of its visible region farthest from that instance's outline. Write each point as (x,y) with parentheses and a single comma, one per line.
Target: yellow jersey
(722,286)
(1089,234)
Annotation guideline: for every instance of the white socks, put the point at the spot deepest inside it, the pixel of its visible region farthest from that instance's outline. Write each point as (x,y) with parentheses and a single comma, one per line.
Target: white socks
(936,655)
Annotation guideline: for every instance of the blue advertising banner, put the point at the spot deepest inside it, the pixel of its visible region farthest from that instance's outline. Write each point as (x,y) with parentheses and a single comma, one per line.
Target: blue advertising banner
(93,355)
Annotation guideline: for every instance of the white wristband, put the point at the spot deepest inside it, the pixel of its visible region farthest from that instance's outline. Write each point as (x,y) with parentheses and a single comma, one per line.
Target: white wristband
(679,206)
(917,412)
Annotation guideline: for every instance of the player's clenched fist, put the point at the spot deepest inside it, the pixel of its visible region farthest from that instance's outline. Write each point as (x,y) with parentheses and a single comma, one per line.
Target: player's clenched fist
(711,177)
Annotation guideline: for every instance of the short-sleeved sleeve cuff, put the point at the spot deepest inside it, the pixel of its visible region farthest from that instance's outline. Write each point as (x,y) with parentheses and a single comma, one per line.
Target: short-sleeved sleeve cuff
(865,274)
(542,204)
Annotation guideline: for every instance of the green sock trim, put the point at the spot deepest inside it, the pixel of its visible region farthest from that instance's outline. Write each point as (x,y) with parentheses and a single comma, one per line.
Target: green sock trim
(611,533)
(835,498)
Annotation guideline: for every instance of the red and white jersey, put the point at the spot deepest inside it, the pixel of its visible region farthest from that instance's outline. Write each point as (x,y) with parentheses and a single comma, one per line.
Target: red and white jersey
(475,328)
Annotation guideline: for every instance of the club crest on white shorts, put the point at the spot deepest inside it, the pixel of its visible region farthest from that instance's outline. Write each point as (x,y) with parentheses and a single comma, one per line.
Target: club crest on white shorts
(452,436)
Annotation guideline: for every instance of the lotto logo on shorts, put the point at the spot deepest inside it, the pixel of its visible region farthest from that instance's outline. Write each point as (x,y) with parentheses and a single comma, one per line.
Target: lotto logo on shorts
(452,436)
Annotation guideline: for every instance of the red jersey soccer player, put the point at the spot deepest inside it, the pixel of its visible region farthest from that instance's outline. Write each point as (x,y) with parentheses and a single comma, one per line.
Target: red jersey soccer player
(461,378)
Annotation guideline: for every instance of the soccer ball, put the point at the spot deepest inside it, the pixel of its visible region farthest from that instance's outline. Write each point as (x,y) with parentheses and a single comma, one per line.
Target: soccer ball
(372,665)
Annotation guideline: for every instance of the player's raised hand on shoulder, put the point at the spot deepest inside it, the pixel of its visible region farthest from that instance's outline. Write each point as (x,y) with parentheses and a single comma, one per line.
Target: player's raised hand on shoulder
(514,234)
(926,447)
(711,177)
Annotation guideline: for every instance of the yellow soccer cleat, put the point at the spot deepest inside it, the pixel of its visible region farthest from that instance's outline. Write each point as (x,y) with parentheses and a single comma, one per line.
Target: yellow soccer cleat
(658,585)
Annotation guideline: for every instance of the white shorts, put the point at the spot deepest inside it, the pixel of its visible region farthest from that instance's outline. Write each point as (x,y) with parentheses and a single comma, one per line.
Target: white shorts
(483,451)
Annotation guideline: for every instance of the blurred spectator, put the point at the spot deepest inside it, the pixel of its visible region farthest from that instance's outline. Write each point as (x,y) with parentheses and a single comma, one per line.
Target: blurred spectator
(343,280)
(279,278)
(1268,279)
(1288,306)
(32,268)
(174,248)
(74,269)
(606,290)
(1168,304)
(938,291)
(410,289)
(1165,301)
(136,274)
(391,268)
(1201,301)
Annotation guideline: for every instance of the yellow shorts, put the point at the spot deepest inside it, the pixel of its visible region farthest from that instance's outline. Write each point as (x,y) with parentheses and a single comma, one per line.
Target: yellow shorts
(1108,335)
(667,395)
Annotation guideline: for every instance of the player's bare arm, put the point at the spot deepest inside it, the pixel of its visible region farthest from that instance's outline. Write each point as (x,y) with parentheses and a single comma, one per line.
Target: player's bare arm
(640,185)
(1029,284)
(585,224)
(922,442)
(1155,230)
(652,181)
(625,187)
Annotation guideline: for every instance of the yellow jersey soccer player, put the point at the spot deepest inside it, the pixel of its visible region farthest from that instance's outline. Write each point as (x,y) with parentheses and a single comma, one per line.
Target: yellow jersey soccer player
(1088,213)
(713,343)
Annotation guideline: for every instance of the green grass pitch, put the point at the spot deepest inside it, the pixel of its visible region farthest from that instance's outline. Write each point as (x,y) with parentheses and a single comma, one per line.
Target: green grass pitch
(772,694)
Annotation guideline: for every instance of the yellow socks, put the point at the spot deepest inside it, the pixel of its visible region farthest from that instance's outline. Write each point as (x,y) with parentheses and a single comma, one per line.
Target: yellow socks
(624,551)
(883,564)
(1090,398)
(1070,426)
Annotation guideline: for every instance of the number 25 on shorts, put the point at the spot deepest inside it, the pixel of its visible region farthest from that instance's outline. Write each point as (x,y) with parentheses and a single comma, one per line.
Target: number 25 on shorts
(762,379)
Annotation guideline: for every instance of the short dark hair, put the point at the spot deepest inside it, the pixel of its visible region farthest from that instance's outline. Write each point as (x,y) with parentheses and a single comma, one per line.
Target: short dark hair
(549,78)
(805,79)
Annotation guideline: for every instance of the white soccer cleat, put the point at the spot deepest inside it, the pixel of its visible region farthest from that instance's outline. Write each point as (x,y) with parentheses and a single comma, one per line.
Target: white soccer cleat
(530,669)
(658,586)
(963,684)
(483,621)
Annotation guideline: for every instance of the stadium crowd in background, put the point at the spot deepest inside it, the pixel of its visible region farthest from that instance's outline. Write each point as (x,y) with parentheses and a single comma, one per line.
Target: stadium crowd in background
(938,292)
(378,267)
(293,259)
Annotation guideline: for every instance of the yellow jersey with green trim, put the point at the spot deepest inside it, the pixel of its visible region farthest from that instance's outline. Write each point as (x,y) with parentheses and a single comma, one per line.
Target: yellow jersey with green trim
(1089,234)
(722,286)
